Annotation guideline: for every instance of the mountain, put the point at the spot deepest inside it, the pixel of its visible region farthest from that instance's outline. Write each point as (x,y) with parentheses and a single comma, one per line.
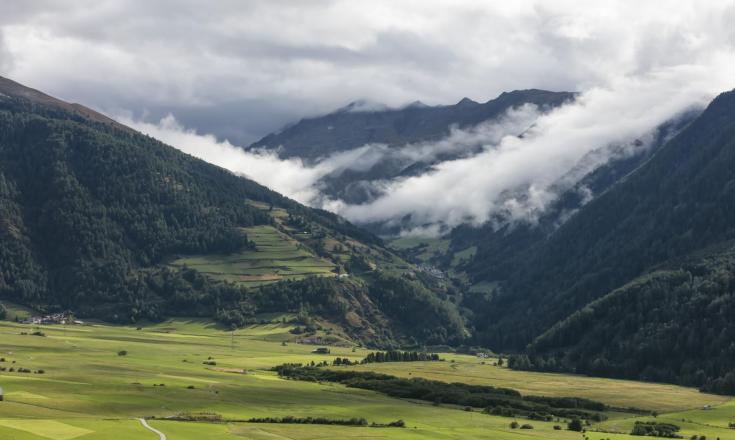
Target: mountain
(641,272)
(385,144)
(357,124)
(112,224)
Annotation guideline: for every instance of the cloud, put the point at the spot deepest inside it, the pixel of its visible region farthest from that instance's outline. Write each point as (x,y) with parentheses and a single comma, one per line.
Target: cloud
(6,60)
(520,177)
(300,181)
(290,177)
(276,61)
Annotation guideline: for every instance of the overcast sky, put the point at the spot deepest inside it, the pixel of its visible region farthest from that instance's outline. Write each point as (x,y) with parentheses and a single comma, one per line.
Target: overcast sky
(210,76)
(240,69)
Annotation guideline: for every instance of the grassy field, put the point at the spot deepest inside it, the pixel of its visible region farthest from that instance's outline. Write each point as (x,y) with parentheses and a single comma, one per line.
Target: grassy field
(618,393)
(88,391)
(276,257)
(423,249)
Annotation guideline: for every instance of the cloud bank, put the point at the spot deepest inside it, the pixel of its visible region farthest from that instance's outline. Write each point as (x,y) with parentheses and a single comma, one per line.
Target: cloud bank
(471,190)
(237,70)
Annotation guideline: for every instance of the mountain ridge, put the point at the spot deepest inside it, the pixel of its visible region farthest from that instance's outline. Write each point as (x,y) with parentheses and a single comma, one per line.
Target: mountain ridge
(311,138)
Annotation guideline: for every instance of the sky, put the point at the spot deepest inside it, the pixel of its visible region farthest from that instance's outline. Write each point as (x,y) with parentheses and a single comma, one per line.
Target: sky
(208,77)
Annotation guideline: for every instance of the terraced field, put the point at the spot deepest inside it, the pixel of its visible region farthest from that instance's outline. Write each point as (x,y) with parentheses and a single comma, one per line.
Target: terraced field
(89,392)
(276,257)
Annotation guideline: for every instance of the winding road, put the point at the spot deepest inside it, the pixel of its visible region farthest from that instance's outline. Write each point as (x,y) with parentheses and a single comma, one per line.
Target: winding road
(145,424)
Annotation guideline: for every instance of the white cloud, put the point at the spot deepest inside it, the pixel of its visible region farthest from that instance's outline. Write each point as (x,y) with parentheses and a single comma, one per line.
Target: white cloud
(518,176)
(289,177)
(320,55)
(294,178)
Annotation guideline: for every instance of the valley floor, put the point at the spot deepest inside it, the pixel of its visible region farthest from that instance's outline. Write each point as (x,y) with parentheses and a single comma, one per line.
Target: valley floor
(89,391)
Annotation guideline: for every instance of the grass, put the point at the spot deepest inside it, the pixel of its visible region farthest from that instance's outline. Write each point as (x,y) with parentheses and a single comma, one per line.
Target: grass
(463,256)
(276,257)
(46,428)
(424,249)
(618,393)
(88,392)
(17,311)
(484,287)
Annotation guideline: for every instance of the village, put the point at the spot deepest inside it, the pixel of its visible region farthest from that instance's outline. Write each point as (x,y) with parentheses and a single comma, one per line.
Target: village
(66,317)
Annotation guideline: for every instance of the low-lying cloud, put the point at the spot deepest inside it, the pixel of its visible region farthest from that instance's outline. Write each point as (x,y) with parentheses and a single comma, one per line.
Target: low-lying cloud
(514,166)
(520,176)
(299,180)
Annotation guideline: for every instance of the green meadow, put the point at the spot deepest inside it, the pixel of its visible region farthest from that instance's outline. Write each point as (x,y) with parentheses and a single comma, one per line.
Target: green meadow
(88,391)
(423,249)
(276,257)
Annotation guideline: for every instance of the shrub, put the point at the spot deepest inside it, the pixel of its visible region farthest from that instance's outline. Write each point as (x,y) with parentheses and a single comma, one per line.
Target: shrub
(514,425)
(122,353)
(557,428)
(575,425)
(526,426)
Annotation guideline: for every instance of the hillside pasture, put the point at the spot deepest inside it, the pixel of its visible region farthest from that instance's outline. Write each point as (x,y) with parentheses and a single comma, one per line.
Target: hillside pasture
(276,257)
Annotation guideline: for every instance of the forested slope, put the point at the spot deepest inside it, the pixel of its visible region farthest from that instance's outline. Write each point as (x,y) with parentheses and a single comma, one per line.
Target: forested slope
(681,200)
(92,213)
(672,325)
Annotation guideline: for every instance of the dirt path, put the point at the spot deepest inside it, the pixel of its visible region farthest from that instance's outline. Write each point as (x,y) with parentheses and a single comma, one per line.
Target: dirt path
(145,424)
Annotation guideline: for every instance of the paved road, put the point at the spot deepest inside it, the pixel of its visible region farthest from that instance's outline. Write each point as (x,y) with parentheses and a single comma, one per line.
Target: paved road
(145,424)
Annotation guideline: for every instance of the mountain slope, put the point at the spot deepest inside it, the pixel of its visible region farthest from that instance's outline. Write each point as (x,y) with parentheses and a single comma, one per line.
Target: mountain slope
(672,325)
(93,215)
(502,245)
(680,201)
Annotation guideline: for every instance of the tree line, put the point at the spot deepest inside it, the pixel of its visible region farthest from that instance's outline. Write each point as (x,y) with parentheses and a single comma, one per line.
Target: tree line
(399,356)
(494,400)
